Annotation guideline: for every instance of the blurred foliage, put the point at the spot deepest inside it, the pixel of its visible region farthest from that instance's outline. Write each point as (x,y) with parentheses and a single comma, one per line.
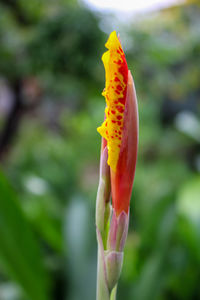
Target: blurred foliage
(50,106)
(19,252)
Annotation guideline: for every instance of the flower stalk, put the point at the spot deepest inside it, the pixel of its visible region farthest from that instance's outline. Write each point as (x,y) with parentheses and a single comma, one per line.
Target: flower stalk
(119,133)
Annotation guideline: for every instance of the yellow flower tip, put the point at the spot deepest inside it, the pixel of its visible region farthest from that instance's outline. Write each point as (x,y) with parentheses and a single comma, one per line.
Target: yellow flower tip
(116,73)
(113,41)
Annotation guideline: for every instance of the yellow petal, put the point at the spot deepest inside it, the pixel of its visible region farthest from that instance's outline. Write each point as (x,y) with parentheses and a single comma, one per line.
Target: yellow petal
(116,73)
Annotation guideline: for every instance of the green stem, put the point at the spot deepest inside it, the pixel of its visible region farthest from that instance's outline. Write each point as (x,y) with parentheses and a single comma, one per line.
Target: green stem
(114,293)
(102,289)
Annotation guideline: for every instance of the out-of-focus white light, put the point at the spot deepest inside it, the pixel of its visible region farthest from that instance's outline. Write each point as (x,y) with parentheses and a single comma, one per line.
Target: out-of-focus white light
(36,185)
(130,5)
(188,123)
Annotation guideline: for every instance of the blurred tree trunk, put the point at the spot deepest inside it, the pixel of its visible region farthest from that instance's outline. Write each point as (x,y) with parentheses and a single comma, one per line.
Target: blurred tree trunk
(26,96)
(13,118)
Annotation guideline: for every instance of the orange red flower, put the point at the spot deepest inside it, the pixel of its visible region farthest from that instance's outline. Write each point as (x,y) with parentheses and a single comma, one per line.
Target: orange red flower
(120,127)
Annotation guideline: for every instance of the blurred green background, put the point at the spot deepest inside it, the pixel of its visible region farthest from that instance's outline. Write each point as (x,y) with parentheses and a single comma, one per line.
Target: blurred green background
(51,78)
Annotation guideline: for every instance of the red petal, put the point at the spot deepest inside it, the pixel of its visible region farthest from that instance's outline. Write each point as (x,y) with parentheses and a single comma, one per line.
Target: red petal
(122,179)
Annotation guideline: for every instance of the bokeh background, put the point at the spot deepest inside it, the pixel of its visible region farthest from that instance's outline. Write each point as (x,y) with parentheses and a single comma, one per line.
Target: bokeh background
(51,78)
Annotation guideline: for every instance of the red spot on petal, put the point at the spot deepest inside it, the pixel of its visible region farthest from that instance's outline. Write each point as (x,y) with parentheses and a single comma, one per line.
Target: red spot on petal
(119,117)
(121,100)
(124,70)
(117,62)
(113,112)
(120,109)
(119,87)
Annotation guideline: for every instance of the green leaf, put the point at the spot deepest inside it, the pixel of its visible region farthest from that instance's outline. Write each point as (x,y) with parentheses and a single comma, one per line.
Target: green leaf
(188,202)
(188,208)
(19,250)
